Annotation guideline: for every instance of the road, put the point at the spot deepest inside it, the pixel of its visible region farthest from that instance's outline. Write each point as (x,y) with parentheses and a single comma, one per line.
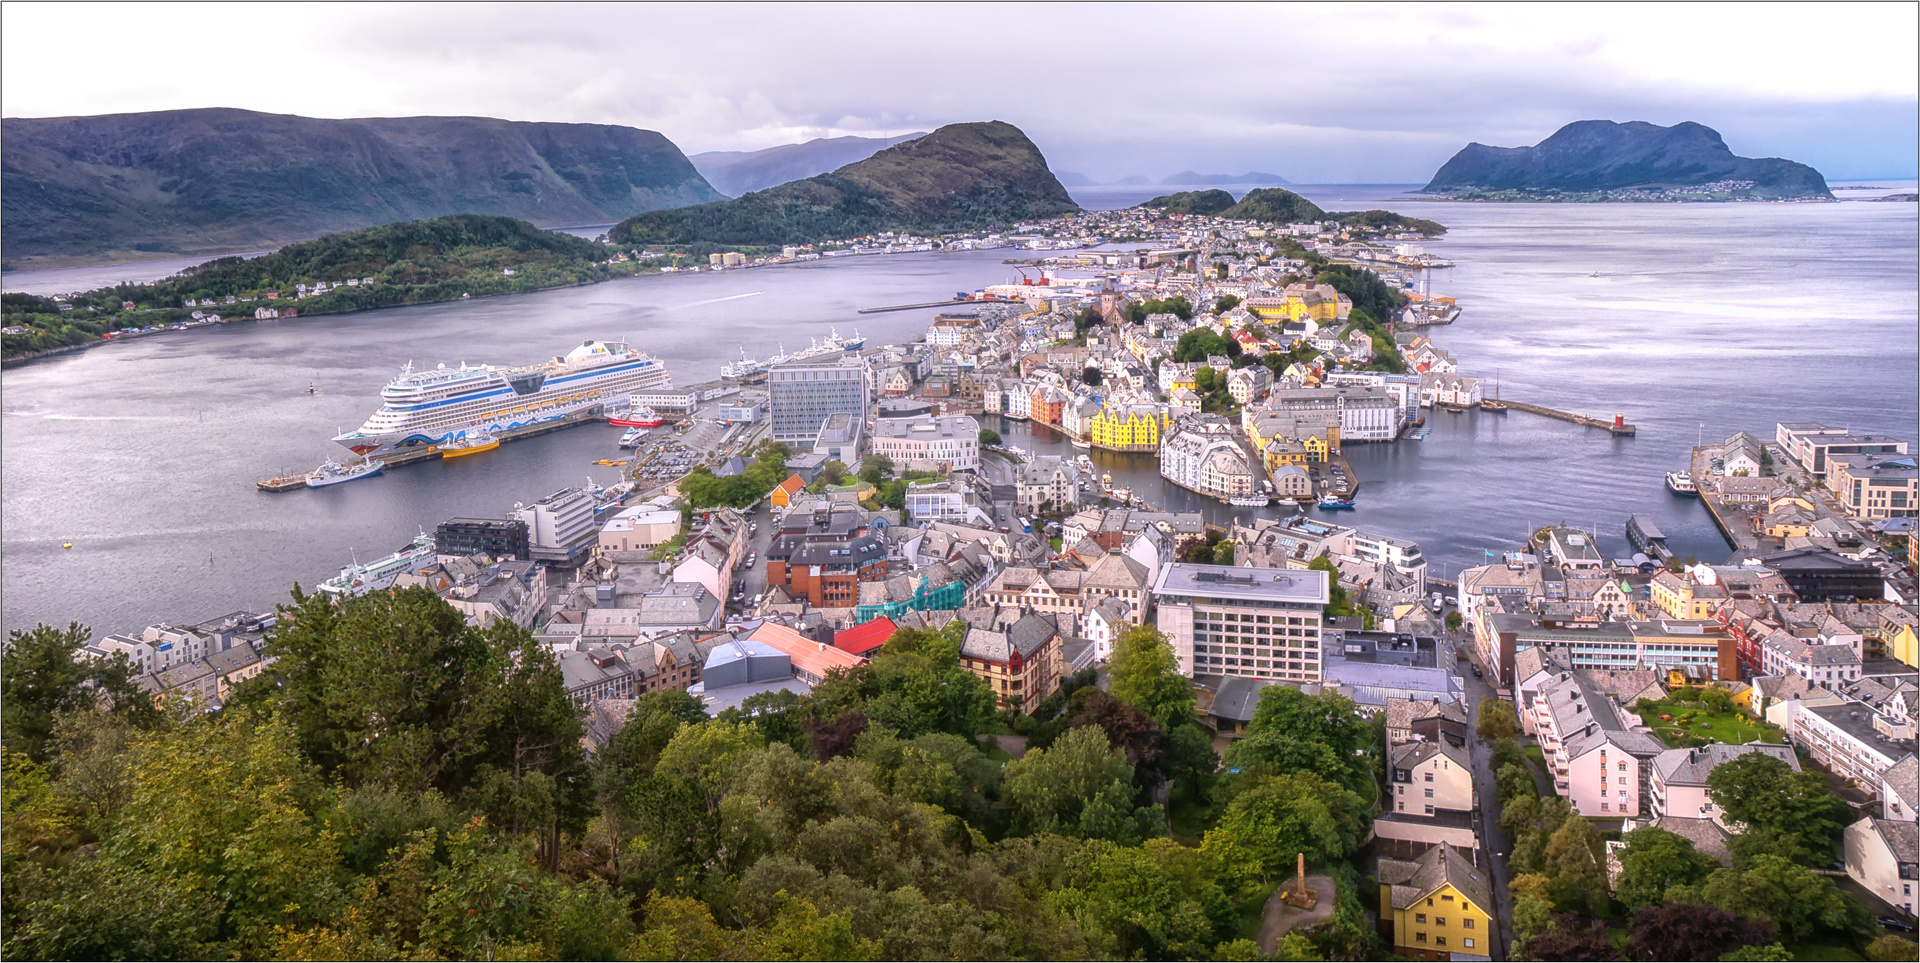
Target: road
(1497,846)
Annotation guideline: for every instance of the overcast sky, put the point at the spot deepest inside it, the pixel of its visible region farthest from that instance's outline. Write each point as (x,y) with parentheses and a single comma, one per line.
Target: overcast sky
(1315,93)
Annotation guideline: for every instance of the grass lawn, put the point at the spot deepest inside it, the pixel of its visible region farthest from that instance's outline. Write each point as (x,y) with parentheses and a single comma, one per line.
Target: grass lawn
(1539,758)
(1732,727)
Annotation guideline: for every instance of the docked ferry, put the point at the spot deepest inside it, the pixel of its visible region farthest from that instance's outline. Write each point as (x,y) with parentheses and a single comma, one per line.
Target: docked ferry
(358,579)
(445,404)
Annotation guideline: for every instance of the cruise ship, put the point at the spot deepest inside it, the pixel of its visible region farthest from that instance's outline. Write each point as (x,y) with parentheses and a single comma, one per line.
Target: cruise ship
(445,404)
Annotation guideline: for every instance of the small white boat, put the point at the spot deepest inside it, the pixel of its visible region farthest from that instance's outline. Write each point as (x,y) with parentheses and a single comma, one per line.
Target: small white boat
(1681,483)
(632,438)
(333,473)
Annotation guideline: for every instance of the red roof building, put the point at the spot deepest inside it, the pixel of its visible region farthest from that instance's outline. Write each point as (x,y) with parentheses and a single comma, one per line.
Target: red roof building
(862,639)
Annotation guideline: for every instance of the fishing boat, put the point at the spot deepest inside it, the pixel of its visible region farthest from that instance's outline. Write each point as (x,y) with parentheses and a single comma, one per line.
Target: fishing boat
(1332,501)
(1081,443)
(472,444)
(641,417)
(1681,483)
(1450,406)
(334,473)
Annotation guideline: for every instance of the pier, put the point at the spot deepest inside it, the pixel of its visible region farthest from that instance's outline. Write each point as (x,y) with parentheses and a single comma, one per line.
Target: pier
(1618,426)
(916,307)
(283,483)
(287,483)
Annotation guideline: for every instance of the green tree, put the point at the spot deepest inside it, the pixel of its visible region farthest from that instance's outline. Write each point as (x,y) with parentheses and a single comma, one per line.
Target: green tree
(1092,375)
(1574,858)
(1887,947)
(1227,302)
(1454,621)
(989,437)
(1799,902)
(43,676)
(1134,897)
(1145,674)
(225,805)
(1497,721)
(875,469)
(1654,861)
(1787,813)
(1080,787)
(1278,817)
(1223,552)
(1295,732)
(1778,953)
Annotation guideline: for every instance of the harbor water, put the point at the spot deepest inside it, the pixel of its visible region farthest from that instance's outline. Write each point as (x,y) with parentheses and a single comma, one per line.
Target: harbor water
(1693,320)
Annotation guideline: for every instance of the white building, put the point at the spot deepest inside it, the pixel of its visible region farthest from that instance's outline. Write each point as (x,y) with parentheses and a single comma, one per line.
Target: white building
(939,444)
(559,526)
(1202,455)
(1258,623)
(1048,479)
(1883,856)
(1679,784)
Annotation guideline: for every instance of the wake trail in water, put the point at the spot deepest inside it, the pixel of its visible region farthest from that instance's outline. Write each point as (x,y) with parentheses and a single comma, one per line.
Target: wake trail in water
(731,297)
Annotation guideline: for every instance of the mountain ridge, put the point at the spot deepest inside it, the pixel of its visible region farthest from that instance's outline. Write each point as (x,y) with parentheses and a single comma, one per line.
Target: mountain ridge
(737,172)
(116,187)
(959,177)
(1601,155)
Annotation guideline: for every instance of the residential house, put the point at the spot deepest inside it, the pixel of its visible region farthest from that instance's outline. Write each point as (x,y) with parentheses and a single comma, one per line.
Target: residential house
(1020,656)
(1437,907)
(1679,783)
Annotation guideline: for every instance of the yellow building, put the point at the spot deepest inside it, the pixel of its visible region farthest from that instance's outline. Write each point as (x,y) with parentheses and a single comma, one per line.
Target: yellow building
(1318,447)
(1302,302)
(1126,429)
(1436,905)
(1680,597)
(1905,646)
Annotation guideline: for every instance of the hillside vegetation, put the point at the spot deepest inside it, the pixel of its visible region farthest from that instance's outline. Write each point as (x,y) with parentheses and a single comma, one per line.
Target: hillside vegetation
(415,262)
(961,177)
(736,172)
(400,784)
(183,182)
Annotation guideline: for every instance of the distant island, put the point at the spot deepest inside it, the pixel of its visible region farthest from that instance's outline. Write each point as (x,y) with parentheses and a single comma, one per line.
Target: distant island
(737,172)
(416,262)
(960,177)
(126,187)
(1599,160)
(1191,179)
(1275,206)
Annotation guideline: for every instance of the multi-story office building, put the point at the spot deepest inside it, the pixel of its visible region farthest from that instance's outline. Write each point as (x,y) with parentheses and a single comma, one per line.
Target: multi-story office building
(1366,413)
(482,536)
(560,526)
(1810,445)
(802,395)
(1260,623)
(1875,486)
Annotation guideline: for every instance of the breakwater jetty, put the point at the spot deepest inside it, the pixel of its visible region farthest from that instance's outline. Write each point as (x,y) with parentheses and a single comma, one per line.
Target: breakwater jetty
(916,307)
(1617,426)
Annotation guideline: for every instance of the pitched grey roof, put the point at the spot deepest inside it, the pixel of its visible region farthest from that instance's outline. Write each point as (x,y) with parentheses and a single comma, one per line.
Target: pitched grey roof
(1904,779)
(1411,754)
(1443,864)
(1902,837)
(1237,698)
(1689,767)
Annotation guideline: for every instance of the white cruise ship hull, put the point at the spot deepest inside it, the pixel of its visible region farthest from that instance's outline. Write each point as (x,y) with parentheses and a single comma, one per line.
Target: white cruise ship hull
(448,405)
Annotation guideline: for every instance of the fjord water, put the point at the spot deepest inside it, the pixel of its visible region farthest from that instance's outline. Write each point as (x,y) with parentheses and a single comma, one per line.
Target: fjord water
(1731,316)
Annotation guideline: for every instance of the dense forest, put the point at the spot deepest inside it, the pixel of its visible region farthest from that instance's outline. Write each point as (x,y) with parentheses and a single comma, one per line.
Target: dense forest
(413,262)
(400,784)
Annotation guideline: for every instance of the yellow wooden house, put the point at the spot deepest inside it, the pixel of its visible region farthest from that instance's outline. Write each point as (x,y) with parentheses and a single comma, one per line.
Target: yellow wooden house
(1135,428)
(1437,907)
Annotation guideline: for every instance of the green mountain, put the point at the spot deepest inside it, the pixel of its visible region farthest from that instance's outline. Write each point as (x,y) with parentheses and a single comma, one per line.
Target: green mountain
(960,177)
(414,262)
(117,187)
(1275,205)
(1193,202)
(736,172)
(1599,155)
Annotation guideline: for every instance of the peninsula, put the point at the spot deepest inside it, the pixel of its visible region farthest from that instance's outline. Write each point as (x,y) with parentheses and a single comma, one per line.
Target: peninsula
(1599,160)
(1273,205)
(121,187)
(960,177)
(416,262)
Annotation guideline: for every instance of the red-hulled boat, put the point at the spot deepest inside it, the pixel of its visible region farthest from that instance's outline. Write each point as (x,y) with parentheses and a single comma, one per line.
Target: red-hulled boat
(637,418)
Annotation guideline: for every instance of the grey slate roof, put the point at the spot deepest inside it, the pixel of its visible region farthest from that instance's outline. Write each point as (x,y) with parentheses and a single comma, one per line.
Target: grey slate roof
(1443,864)
(1902,837)
(1689,767)
(1237,698)
(1904,779)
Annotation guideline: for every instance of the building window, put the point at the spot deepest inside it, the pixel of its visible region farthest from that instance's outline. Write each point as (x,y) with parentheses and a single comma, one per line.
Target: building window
(1468,924)
(1429,793)
(1419,917)
(1439,941)
(1469,942)
(1419,937)
(1439,921)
